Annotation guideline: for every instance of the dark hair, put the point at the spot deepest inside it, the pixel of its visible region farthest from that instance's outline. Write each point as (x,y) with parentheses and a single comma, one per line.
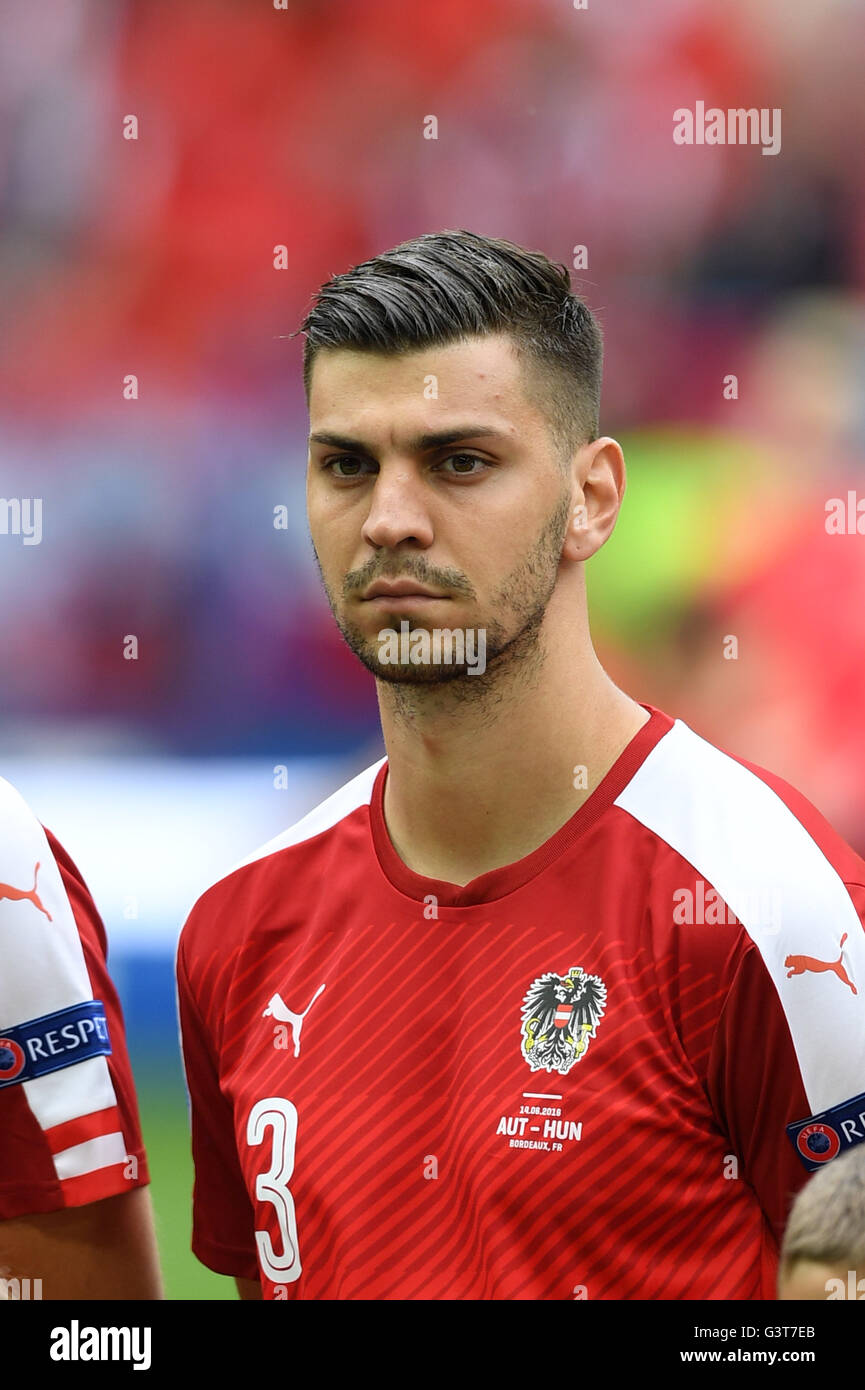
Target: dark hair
(443,287)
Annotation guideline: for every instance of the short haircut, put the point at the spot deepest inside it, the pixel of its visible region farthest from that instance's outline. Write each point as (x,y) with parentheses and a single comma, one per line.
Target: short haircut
(827,1222)
(445,287)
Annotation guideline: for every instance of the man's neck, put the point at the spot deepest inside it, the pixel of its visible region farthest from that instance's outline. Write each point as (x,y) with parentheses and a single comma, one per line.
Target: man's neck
(475,784)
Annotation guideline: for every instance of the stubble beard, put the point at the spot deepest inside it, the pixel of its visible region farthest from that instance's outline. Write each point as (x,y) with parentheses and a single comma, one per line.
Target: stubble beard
(514,652)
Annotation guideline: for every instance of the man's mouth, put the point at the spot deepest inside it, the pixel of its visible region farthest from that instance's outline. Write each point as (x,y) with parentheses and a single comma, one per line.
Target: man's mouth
(398,589)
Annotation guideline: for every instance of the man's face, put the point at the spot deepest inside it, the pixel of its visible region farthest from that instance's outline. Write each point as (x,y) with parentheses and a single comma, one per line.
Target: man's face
(433,470)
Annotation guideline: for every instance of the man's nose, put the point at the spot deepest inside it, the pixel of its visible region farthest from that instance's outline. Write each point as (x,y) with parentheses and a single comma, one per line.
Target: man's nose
(397,510)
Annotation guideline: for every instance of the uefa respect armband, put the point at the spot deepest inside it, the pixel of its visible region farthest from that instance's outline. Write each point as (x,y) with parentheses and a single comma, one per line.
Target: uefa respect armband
(54,1041)
(822,1137)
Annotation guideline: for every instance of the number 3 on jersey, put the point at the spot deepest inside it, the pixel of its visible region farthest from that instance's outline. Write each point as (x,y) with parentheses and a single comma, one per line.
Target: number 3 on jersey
(280,1115)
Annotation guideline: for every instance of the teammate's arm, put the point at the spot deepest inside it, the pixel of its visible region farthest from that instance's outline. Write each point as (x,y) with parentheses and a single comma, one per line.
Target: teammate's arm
(74,1208)
(105,1250)
(248,1288)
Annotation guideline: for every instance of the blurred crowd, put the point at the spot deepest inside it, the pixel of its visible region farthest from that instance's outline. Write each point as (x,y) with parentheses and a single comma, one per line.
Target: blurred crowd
(303,126)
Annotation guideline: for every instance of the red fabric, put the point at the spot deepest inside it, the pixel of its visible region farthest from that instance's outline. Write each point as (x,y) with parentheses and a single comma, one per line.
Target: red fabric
(380,1161)
(28,1181)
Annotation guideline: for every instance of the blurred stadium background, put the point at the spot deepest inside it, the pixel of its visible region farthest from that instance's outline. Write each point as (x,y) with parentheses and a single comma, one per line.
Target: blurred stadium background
(303,126)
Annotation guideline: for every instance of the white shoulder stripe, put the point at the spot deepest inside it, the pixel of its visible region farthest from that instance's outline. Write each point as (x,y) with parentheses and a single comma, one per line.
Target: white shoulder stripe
(42,965)
(357,792)
(743,839)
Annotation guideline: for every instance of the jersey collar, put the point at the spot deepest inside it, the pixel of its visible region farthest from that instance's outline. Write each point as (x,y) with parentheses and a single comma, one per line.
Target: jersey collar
(499,882)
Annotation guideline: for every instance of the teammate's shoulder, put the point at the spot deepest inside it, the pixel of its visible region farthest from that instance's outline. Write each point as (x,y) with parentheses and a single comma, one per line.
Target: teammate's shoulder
(252,875)
(41,889)
(22,836)
(14,810)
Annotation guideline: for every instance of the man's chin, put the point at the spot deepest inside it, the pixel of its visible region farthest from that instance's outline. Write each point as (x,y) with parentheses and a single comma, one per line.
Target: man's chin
(423,672)
(423,675)
(410,674)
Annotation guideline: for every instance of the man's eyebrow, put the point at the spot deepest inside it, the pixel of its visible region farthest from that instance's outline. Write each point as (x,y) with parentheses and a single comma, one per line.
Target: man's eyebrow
(420,444)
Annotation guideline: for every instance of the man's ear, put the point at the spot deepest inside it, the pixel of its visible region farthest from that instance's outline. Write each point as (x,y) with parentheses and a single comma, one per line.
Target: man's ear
(598,488)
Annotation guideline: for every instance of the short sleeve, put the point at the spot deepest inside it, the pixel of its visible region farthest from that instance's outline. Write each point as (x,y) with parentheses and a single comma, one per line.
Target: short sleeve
(223,1235)
(774,1072)
(756,1089)
(70,1132)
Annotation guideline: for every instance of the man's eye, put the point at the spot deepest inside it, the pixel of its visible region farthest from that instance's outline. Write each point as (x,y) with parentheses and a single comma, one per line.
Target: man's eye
(346,466)
(461,460)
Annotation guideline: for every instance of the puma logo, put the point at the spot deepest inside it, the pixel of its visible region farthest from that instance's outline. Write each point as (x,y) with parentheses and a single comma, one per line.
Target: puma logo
(797,965)
(16,895)
(277,1008)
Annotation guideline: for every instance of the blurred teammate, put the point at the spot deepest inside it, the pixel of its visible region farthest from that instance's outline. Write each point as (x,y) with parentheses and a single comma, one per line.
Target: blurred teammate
(558,1000)
(75,1212)
(823,1252)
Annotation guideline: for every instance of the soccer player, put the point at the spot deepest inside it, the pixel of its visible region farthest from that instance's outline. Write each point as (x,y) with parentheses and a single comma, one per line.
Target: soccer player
(75,1213)
(558,1000)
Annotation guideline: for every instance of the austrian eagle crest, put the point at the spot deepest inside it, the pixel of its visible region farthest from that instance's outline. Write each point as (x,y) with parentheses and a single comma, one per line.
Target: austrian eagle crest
(560,1016)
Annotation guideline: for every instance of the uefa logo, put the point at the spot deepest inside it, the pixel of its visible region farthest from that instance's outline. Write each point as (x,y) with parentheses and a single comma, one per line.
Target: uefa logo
(12,1059)
(819,1142)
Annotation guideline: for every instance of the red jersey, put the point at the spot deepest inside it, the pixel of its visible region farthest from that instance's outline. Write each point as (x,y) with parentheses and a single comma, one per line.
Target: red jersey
(600,1072)
(69,1126)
